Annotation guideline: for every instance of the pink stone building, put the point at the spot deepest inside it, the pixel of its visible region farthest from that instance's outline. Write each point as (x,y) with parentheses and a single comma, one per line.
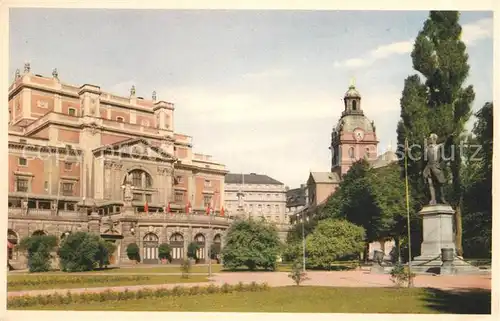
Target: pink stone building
(72,152)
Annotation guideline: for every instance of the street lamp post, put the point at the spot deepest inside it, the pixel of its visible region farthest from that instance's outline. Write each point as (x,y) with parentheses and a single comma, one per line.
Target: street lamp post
(303,244)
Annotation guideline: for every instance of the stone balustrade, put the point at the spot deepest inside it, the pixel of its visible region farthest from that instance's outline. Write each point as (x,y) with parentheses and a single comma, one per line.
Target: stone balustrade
(185,218)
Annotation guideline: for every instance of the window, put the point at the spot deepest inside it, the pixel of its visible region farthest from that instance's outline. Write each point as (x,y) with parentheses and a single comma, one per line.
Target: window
(208,183)
(179,197)
(354,103)
(21,185)
(71,111)
(67,166)
(137,197)
(276,208)
(23,141)
(277,218)
(260,208)
(137,179)
(268,196)
(119,119)
(268,208)
(67,189)
(351,152)
(46,186)
(207,200)
(22,161)
(149,198)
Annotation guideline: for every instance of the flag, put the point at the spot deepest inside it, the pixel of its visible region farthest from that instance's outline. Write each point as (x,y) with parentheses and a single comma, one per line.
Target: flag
(168,209)
(208,209)
(222,211)
(146,207)
(188,207)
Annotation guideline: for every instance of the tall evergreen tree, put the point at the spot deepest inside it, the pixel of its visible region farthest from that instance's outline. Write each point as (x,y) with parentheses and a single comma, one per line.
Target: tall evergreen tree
(439,104)
(477,179)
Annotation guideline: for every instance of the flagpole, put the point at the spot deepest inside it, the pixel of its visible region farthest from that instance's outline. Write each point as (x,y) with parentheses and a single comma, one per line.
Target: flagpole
(410,279)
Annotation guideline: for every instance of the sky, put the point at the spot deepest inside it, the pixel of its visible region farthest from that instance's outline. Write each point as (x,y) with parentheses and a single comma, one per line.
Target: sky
(260,91)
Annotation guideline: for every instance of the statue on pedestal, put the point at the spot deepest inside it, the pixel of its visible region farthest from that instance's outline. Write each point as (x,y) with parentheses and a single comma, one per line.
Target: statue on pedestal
(433,172)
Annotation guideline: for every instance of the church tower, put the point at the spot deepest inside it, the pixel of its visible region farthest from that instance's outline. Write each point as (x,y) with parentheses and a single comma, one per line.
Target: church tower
(354,136)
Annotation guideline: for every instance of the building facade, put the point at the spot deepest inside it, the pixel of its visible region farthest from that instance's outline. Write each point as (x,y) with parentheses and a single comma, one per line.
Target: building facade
(82,159)
(296,200)
(257,196)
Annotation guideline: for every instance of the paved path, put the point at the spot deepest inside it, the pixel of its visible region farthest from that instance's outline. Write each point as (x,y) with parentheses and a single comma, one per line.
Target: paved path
(274,279)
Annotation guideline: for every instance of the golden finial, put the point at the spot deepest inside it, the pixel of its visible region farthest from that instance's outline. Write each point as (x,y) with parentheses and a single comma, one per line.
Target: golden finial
(353,82)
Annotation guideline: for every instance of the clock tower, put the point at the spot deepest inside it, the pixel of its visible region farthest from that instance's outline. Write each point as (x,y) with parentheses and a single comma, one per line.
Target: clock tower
(354,136)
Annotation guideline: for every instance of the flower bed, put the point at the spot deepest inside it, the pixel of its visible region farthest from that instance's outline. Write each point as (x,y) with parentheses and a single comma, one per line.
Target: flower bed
(70,298)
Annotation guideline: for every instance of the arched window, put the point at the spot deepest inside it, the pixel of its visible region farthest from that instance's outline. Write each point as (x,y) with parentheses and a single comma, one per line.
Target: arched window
(354,105)
(351,152)
(71,111)
(142,183)
(119,119)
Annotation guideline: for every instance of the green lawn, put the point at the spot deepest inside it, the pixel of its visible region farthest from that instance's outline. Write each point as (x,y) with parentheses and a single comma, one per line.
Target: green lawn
(308,299)
(216,268)
(47,281)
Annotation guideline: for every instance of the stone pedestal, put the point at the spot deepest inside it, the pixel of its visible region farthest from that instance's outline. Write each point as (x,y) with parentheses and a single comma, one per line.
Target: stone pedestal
(438,234)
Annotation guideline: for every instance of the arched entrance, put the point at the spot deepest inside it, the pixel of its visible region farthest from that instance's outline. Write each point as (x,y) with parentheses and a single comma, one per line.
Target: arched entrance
(150,248)
(216,247)
(39,233)
(177,245)
(12,241)
(200,253)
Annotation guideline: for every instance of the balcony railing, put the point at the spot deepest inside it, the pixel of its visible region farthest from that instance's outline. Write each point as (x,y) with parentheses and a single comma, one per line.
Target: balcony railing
(186,218)
(39,213)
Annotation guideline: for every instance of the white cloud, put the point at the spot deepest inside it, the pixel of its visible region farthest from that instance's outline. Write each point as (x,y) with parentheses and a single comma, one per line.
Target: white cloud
(471,33)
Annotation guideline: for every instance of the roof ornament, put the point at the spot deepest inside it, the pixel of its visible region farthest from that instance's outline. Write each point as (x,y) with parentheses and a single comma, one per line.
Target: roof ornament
(55,74)
(154,96)
(18,74)
(132,91)
(27,67)
(352,83)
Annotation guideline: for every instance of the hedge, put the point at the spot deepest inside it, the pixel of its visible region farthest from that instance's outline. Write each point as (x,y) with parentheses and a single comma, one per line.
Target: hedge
(108,295)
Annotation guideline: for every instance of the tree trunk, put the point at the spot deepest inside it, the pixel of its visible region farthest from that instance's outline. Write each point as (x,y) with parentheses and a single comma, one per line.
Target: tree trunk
(458,228)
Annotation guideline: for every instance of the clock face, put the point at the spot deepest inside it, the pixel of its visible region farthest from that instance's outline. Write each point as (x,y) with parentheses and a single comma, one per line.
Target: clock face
(358,134)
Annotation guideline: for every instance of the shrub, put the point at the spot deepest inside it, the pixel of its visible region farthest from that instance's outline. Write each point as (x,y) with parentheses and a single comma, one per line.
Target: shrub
(192,249)
(214,252)
(133,252)
(400,275)
(164,252)
(82,251)
(38,248)
(252,244)
(186,268)
(34,281)
(297,274)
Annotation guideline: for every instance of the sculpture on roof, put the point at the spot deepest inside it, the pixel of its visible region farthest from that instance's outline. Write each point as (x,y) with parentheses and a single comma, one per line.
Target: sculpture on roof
(27,67)
(55,74)
(132,91)
(433,172)
(18,74)
(154,96)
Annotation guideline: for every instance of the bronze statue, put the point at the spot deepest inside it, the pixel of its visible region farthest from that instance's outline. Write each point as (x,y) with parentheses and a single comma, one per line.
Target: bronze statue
(433,172)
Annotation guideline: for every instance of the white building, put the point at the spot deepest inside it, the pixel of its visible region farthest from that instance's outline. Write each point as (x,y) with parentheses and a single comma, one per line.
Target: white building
(255,195)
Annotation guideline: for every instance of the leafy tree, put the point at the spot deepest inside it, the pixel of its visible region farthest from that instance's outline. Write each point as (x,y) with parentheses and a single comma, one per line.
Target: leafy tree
(252,244)
(192,250)
(164,252)
(333,239)
(38,248)
(133,252)
(106,250)
(82,251)
(439,104)
(477,181)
